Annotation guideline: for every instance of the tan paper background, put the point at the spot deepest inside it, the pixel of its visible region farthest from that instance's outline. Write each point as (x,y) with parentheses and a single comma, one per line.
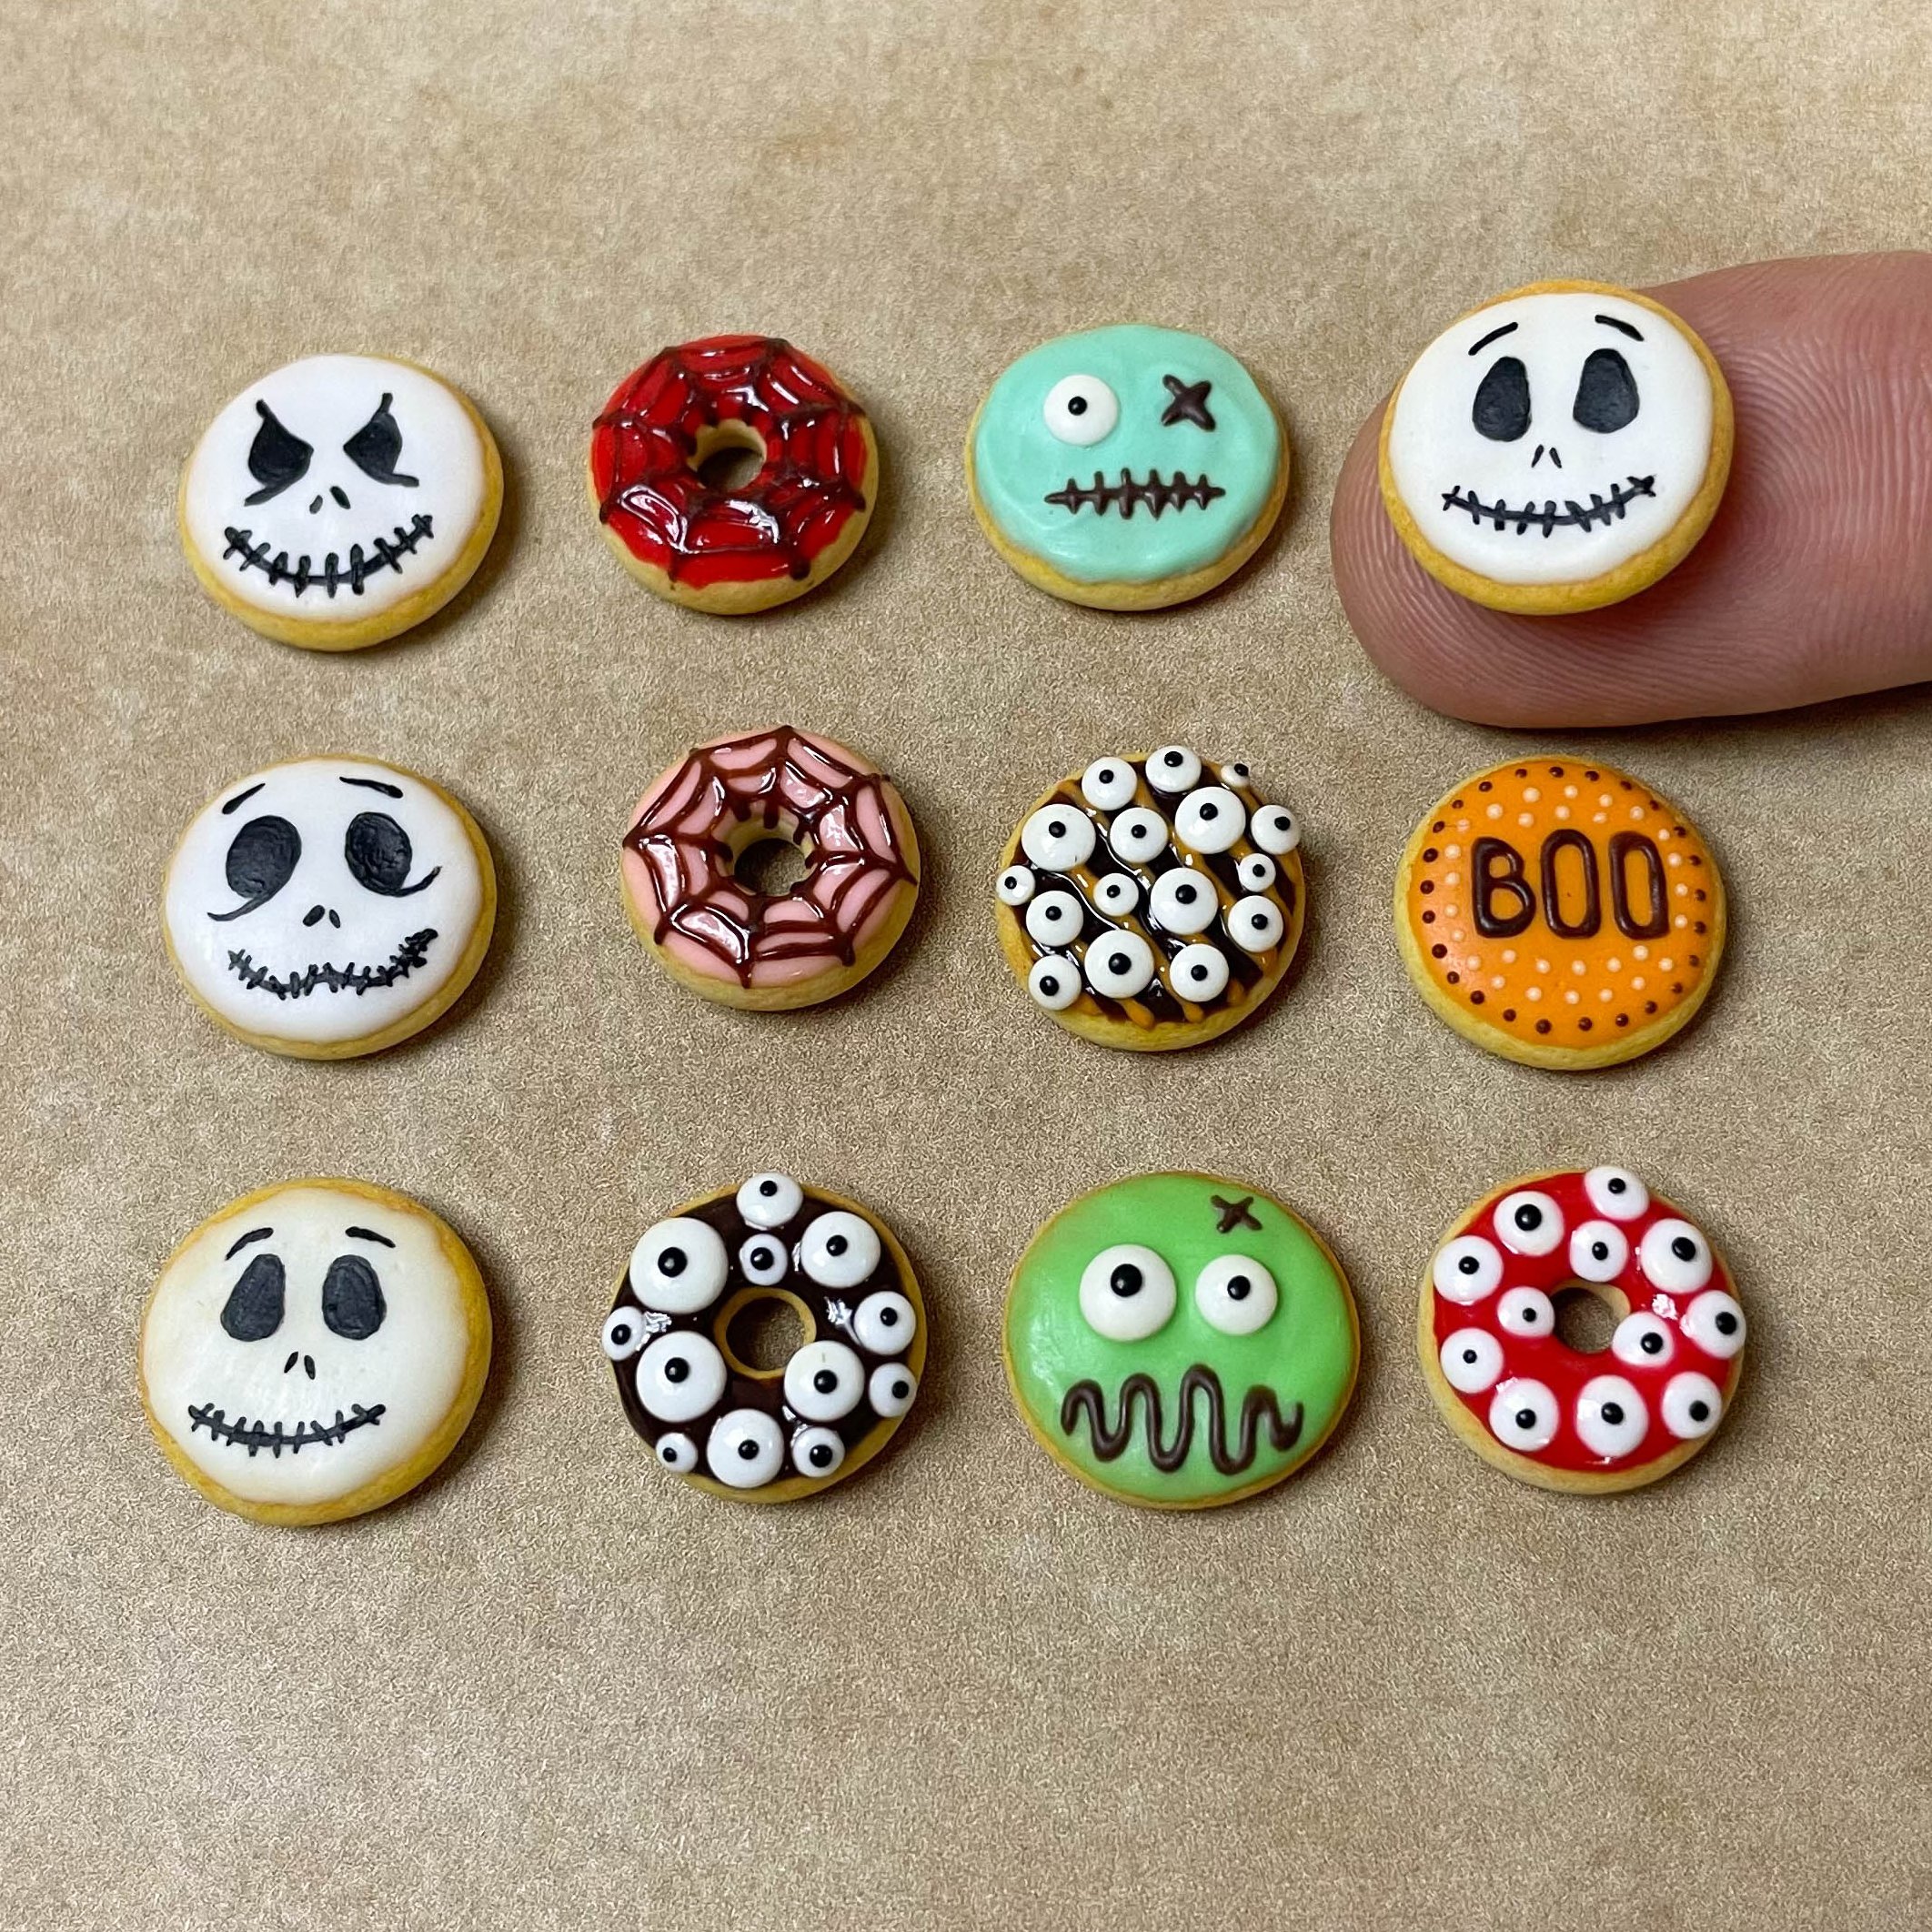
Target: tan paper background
(553,1688)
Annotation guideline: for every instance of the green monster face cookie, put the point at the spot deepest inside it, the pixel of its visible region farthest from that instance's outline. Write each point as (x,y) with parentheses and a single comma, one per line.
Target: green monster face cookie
(1179,1341)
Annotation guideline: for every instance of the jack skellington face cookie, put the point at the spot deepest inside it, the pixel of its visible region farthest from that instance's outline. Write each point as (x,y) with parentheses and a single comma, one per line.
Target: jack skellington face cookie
(314,1350)
(330,906)
(340,500)
(767,1434)
(1559,448)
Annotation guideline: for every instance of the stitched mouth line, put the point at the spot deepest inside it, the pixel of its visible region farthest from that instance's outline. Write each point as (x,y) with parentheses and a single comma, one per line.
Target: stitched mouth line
(1545,516)
(333,575)
(1156,494)
(255,1437)
(413,953)
(1258,1409)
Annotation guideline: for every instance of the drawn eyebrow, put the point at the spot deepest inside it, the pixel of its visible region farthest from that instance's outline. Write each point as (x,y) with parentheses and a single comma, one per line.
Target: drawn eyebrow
(1636,334)
(394,791)
(1476,347)
(369,1234)
(253,1234)
(242,798)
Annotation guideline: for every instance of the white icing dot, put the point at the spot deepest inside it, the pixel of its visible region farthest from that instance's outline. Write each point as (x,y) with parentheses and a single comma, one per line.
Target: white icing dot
(1016,886)
(1119,965)
(1054,982)
(1198,972)
(1173,767)
(1531,794)
(1058,838)
(1107,784)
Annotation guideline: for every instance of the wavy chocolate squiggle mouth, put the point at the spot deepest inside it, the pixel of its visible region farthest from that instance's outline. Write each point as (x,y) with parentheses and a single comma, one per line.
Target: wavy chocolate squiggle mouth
(332,575)
(1258,1407)
(1545,517)
(413,953)
(255,1437)
(1156,494)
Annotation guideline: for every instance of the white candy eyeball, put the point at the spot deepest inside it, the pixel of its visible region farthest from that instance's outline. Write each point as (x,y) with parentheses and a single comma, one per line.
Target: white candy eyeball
(1173,767)
(1274,830)
(817,1452)
(1466,1269)
(1611,1416)
(1116,894)
(762,1260)
(824,1381)
(1257,872)
(1199,973)
(1676,1257)
(1107,784)
(1119,965)
(1715,1323)
(770,1200)
(745,1449)
(678,1266)
(1058,838)
(680,1377)
(1209,820)
(1526,1312)
(1126,1293)
(883,1323)
(1643,1341)
(1015,886)
(1054,984)
(1235,1294)
(1693,1405)
(1599,1251)
(1138,835)
(1237,771)
(1081,409)
(1529,1223)
(1255,924)
(676,1451)
(1616,1192)
(892,1389)
(1471,1359)
(1055,918)
(625,1331)
(1183,901)
(839,1250)
(1523,1415)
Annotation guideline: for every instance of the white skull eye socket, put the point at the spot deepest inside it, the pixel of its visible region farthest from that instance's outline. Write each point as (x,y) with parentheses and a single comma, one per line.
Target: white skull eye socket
(1058,838)
(817,1452)
(1274,830)
(1126,1293)
(1616,1193)
(680,1377)
(1466,1269)
(1529,1223)
(1611,1417)
(676,1451)
(1183,901)
(1257,872)
(1643,1341)
(1599,1251)
(1116,894)
(1235,1294)
(1715,1323)
(1255,924)
(1015,886)
(839,1250)
(1054,984)
(1107,784)
(1081,409)
(1209,820)
(679,1266)
(1523,1415)
(1471,1359)
(883,1323)
(762,1260)
(770,1200)
(1137,835)
(745,1449)
(1119,965)
(1676,1257)
(1173,767)
(1199,973)
(1693,1405)
(1526,1312)
(1055,918)
(824,1381)
(892,1389)
(625,1331)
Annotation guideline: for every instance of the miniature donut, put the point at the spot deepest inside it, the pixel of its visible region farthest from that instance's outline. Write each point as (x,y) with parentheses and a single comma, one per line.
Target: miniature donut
(314,1350)
(1559,913)
(1167,424)
(340,500)
(769,952)
(1559,448)
(732,548)
(767,1434)
(1179,1341)
(1524,1398)
(1153,902)
(330,906)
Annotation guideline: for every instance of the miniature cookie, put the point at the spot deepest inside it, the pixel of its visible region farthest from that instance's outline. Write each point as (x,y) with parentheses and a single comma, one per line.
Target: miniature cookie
(1179,1341)
(1547,1412)
(767,1434)
(744,947)
(1559,448)
(340,500)
(314,1350)
(1152,902)
(330,906)
(1559,913)
(726,546)
(1165,423)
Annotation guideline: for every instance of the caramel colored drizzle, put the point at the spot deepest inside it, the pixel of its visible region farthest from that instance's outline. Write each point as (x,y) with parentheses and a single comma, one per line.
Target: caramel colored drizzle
(1257,1406)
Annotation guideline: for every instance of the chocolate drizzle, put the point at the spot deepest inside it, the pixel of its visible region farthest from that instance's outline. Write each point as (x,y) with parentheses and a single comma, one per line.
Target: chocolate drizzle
(1156,494)
(332,576)
(1258,1407)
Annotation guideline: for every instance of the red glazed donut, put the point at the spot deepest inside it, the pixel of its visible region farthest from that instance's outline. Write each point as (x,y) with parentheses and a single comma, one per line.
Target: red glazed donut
(1524,1399)
(721,547)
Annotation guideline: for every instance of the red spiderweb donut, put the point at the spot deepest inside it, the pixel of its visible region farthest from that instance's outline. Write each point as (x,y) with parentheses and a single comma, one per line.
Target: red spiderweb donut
(645,445)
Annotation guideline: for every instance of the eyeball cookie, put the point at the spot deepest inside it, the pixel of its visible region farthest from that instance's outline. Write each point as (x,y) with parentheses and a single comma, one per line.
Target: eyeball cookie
(1126,467)
(314,1350)
(717,545)
(1179,1341)
(1527,1401)
(328,907)
(342,500)
(1152,902)
(767,1434)
(1557,450)
(1559,913)
(723,937)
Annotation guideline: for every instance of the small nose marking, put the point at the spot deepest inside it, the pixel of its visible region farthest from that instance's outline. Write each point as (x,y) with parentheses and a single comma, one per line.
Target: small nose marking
(315,506)
(335,489)
(313,914)
(291,1362)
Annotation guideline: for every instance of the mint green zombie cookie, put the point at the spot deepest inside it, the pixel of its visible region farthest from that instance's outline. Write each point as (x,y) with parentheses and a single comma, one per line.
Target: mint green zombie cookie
(1126,467)
(1179,1341)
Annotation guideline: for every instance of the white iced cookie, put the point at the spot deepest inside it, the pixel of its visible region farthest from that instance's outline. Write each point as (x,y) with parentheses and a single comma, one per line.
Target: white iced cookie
(1557,450)
(314,1350)
(330,906)
(340,500)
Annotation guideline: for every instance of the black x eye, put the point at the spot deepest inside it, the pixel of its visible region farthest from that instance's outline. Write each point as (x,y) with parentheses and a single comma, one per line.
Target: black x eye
(276,457)
(1606,392)
(1502,407)
(374,447)
(380,854)
(260,859)
(254,1307)
(352,1302)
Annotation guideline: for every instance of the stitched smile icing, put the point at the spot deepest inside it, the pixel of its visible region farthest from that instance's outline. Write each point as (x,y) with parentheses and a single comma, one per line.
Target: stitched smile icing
(1258,1408)
(332,576)
(255,1437)
(1156,494)
(1545,517)
(413,953)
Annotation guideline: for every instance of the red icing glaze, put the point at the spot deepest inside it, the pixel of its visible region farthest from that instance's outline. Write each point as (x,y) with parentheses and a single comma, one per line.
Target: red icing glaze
(1546,1358)
(813,478)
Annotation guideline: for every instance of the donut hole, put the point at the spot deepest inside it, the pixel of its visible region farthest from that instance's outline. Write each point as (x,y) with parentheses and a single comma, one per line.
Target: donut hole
(770,866)
(1587,1315)
(762,1329)
(727,456)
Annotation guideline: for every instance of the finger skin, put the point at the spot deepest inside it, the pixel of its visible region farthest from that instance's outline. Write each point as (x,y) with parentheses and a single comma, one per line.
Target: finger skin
(1814,580)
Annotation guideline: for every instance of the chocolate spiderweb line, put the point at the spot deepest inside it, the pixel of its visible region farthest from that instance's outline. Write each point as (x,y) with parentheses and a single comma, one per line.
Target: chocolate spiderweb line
(844,823)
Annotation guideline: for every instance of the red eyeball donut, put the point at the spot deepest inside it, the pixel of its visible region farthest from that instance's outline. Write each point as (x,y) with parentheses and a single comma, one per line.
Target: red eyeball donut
(1546,1413)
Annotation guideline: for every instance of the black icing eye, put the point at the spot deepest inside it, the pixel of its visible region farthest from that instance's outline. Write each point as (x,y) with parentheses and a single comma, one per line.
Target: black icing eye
(380,854)
(374,447)
(352,1303)
(254,1307)
(1502,408)
(261,856)
(276,457)
(1606,392)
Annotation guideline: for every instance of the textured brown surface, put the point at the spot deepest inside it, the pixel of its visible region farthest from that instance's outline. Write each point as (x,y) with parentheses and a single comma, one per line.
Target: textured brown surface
(554,1689)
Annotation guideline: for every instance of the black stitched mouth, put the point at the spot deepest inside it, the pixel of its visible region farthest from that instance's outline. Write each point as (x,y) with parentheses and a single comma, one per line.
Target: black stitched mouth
(255,1437)
(413,953)
(1258,1405)
(1174,492)
(332,576)
(1546,516)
